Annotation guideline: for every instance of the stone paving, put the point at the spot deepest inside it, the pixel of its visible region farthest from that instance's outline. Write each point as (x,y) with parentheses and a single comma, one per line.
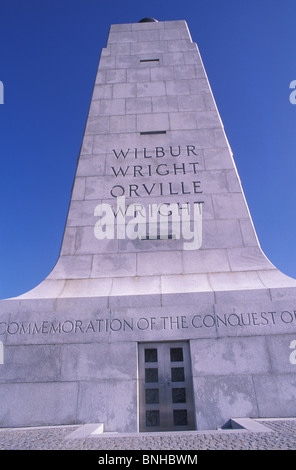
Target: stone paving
(280,435)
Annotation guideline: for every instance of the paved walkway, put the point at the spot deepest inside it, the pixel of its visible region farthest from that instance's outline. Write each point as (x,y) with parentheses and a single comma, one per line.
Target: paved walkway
(275,434)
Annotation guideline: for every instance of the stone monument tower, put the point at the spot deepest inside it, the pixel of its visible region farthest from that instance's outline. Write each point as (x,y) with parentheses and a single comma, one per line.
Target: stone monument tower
(162,312)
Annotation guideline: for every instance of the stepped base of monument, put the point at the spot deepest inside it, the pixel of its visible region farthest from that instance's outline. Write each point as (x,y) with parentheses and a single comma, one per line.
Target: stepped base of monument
(76,360)
(274,434)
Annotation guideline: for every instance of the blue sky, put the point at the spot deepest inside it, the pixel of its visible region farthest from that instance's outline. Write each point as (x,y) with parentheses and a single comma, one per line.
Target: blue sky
(49,53)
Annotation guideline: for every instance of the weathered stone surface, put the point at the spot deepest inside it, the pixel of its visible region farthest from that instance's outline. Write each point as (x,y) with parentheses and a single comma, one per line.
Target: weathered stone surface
(154,135)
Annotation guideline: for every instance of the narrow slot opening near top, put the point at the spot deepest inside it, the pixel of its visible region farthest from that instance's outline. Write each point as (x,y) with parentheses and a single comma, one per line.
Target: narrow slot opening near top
(152,132)
(149,60)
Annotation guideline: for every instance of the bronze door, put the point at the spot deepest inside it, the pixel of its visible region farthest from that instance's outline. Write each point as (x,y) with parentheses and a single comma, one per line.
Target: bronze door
(165,381)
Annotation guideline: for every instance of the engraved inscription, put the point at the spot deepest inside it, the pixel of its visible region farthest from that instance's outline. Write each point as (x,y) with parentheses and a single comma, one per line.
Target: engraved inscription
(123,325)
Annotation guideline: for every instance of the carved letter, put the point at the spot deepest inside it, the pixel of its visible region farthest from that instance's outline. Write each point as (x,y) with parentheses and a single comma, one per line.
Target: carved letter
(121,153)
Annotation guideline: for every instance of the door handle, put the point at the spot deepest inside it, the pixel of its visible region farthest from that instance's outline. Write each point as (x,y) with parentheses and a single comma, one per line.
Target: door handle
(165,381)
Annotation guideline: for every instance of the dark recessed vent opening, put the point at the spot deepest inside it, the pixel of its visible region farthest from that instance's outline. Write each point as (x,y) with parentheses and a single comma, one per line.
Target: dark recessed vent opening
(152,132)
(149,60)
(159,237)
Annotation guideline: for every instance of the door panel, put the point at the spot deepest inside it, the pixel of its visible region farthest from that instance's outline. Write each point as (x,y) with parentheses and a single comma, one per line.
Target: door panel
(165,387)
